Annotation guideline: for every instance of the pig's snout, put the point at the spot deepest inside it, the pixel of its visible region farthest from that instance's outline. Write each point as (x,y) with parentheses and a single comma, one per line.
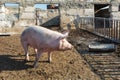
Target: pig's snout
(70,46)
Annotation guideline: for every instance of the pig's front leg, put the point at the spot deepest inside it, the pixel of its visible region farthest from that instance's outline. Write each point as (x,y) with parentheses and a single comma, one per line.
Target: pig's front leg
(37,59)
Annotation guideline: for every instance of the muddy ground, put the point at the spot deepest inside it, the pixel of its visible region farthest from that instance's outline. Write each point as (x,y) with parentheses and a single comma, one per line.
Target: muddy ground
(104,63)
(66,65)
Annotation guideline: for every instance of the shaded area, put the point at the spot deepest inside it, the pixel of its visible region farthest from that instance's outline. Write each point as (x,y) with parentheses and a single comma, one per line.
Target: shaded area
(8,62)
(105,64)
(103,12)
(52,22)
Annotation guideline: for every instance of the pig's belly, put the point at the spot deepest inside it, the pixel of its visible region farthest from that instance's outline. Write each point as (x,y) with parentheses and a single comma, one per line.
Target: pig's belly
(38,44)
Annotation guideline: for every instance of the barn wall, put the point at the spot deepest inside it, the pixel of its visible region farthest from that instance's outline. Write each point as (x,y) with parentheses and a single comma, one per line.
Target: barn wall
(68,12)
(32,16)
(49,17)
(71,12)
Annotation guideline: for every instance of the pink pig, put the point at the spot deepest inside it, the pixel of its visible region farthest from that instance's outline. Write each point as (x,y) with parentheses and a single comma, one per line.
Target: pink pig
(43,40)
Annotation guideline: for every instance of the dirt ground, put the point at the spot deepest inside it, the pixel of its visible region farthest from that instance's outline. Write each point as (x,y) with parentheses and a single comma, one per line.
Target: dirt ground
(66,65)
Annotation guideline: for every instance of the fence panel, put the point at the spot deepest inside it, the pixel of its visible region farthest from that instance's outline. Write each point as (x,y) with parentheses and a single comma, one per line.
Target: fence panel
(106,27)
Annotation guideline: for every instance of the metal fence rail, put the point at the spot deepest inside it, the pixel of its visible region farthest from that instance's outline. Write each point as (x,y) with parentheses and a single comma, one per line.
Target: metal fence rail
(106,27)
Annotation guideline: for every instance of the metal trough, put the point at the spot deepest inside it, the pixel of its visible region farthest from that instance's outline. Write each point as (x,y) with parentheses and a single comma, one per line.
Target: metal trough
(101,47)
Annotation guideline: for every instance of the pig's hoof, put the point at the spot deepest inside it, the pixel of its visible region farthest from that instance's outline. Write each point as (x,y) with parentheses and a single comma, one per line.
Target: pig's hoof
(35,65)
(49,62)
(27,59)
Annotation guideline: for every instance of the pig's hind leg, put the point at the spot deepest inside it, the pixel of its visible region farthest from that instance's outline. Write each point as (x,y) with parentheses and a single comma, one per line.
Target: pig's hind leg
(25,46)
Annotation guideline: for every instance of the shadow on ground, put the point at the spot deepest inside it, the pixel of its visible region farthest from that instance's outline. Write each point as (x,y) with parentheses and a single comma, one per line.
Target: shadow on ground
(8,62)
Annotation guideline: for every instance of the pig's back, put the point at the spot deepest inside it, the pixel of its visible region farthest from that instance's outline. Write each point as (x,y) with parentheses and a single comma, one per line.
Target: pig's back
(36,36)
(43,32)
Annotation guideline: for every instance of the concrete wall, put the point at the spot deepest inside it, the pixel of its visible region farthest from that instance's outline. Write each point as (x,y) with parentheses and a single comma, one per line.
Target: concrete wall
(26,16)
(115,13)
(5,19)
(49,17)
(68,13)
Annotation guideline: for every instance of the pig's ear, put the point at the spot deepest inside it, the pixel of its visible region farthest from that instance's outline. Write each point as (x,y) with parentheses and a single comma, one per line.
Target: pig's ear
(65,34)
